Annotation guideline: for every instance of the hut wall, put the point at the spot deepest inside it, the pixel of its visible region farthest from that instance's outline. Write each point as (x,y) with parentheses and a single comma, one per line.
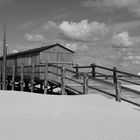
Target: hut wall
(55,55)
(10,63)
(27,60)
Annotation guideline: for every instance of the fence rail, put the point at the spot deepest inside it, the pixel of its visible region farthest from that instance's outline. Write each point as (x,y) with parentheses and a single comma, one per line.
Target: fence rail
(115,78)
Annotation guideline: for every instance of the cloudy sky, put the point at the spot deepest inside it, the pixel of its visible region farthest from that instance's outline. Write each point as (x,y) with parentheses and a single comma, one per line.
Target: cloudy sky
(106,31)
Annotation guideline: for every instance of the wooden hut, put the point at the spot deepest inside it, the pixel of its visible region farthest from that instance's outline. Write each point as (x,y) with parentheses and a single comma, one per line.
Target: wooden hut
(53,54)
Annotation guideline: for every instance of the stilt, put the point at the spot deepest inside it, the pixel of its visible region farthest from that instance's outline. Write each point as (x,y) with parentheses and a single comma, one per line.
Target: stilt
(46,79)
(8,84)
(18,86)
(22,77)
(51,89)
(85,83)
(63,92)
(32,78)
(1,79)
(26,86)
(4,63)
(41,86)
(13,78)
(118,91)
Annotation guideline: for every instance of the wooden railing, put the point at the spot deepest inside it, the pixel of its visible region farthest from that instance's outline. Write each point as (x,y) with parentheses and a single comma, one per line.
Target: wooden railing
(95,73)
(118,78)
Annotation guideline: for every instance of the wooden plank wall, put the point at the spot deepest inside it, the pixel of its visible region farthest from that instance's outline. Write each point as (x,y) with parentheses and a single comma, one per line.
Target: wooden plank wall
(56,54)
(26,60)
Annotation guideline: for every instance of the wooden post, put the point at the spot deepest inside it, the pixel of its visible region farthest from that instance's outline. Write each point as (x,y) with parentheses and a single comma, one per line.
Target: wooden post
(63,92)
(77,71)
(46,78)
(32,78)
(4,65)
(22,77)
(118,91)
(117,85)
(85,83)
(93,70)
(8,87)
(1,79)
(114,75)
(26,88)
(41,86)
(13,78)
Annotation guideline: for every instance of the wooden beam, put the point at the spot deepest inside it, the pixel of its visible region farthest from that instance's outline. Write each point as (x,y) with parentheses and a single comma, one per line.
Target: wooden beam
(1,79)
(118,91)
(13,77)
(115,75)
(46,78)
(77,71)
(93,70)
(117,85)
(4,66)
(22,77)
(85,83)
(63,92)
(32,78)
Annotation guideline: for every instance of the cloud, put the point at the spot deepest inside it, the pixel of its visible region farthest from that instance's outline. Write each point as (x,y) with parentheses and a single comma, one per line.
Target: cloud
(72,46)
(28,24)
(51,30)
(35,37)
(126,49)
(131,26)
(93,41)
(84,30)
(50,25)
(75,31)
(111,3)
(76,46)
(132,5)
(87,32)
(122,39)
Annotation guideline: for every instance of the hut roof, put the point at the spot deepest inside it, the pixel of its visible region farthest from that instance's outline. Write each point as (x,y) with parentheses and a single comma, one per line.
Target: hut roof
(37,50)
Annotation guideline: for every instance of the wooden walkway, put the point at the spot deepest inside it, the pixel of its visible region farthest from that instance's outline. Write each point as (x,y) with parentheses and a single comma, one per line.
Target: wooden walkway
(106,89)
(76,82)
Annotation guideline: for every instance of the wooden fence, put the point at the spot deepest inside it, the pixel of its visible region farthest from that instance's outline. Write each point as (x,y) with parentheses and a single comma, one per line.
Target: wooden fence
(119,79)
(115,77)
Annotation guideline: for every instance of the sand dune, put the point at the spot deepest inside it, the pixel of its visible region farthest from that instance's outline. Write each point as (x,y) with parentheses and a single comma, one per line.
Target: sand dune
(29,116)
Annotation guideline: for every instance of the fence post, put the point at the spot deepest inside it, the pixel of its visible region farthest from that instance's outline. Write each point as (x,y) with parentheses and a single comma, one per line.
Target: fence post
(22,77)
(46,78)
(85,83)
(117,85)
(32,78)
(77,71)
(13,78)
(93,70)
(1,79)
(114,75)
(63,92)
(118,91)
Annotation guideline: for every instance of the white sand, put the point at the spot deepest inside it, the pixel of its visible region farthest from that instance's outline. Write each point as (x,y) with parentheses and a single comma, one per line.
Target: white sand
(29,116)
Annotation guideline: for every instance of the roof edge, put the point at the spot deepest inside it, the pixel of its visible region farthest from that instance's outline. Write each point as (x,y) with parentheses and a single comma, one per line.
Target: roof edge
(39,49)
